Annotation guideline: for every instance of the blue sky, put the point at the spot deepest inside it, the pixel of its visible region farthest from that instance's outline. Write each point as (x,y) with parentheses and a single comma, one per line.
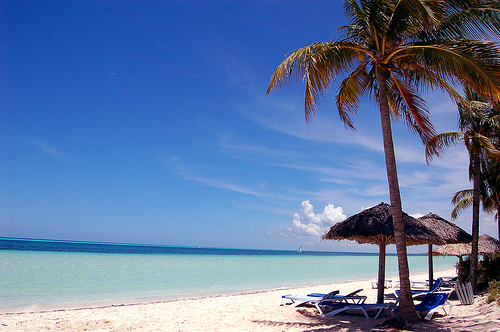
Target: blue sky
(148,122)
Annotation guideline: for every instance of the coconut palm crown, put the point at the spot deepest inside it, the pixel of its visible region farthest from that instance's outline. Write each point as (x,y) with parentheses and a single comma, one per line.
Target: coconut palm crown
(391,50)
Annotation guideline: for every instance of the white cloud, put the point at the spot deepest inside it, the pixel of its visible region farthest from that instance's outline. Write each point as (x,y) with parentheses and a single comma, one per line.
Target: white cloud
(307,223)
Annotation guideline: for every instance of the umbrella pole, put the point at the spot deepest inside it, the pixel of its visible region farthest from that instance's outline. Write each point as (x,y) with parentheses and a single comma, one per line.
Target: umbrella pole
(431,267)
(381,273)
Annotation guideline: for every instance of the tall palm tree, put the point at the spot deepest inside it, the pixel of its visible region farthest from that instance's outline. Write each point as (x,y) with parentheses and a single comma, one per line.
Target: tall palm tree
(391,49)
(477,123)
(489,193)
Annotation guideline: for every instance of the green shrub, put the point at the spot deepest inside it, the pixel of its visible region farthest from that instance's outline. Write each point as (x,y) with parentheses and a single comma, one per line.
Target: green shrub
(494,292)
(463,269)
(489,269)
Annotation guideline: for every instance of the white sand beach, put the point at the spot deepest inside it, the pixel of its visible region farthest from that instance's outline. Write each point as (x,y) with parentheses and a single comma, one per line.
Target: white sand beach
(259,311)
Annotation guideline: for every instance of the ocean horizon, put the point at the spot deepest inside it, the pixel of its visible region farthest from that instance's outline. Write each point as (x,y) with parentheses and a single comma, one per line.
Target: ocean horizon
(37,274)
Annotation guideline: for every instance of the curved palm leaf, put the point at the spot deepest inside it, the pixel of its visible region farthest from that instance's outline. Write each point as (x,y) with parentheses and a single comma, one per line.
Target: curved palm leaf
(461,205)
(436,144)
(350,91)
(471,18)
(406,103)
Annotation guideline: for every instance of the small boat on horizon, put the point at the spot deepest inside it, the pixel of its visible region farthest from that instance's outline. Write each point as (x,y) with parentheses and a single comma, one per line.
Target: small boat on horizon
(300,249)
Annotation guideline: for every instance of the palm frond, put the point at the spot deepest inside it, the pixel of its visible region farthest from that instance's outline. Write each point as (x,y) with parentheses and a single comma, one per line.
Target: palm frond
(411,107)
(412,16)
(359,28)
(471,63)
(481,142)
(460,206)
(424,78)
(436,145)
(462,194)
(317,64)
(350,91)
(489,205)
(471,19)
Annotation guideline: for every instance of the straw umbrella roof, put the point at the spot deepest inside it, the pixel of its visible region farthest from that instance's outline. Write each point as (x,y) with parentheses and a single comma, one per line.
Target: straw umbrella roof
(374,225)
(455,249)
(487,246)
(449,232)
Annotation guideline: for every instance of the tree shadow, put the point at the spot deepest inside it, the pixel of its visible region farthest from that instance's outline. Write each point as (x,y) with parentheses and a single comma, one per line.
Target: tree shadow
(354,323)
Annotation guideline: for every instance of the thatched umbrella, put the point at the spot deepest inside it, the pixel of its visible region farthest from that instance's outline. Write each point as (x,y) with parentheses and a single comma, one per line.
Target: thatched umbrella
(374,225)
(457,249)
(449,233)
(487,246)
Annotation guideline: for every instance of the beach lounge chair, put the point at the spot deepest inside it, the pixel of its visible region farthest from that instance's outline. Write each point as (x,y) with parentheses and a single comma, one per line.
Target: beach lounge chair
(449,282)
(310,299)
(318,299)
(387,284)
(351,298)
(417,285)
(363,307)
(420,292)
(431,303)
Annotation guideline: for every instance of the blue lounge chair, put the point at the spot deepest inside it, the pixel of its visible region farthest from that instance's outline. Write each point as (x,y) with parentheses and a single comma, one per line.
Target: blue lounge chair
(336,294)
(337,300)
(431,303)
(310,299)
(420,292)
(314,299)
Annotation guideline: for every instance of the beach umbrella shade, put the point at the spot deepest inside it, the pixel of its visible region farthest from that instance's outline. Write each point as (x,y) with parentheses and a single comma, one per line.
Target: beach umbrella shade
(449,233)
(374,226)
(487,246)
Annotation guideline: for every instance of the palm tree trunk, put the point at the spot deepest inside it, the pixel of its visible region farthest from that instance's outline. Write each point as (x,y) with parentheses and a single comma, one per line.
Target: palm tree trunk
(407,308)
(381,270)
(498,222)
(431,266)
(476,169)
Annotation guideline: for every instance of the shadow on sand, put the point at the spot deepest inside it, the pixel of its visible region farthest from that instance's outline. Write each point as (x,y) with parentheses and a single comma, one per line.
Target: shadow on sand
(354,323)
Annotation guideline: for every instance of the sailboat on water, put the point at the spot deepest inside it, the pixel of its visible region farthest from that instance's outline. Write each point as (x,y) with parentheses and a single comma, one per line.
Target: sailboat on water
(300,249)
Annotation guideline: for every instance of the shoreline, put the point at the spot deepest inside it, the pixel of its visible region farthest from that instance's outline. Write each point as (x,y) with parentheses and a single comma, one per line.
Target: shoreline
(57,307)
(247,311)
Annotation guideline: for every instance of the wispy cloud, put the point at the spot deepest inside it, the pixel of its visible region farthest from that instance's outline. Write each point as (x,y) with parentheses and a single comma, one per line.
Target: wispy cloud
(42,146)
(223,185)
(177,164)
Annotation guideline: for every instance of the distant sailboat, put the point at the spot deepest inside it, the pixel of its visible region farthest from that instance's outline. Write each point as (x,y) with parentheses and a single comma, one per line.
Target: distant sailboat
(300,249)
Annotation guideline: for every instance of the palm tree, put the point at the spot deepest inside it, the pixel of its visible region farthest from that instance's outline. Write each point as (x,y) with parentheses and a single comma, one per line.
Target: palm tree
(392,49)
(477,123)
(489,193)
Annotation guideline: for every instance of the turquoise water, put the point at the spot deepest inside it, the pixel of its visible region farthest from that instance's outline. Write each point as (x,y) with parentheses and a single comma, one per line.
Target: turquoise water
(57,278)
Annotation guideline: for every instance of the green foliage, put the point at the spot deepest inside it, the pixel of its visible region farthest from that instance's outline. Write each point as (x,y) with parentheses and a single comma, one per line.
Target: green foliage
(494,292)
(463,268)
(489,270)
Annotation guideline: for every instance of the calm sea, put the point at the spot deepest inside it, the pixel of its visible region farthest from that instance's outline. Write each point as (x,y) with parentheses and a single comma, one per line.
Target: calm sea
(38,274)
